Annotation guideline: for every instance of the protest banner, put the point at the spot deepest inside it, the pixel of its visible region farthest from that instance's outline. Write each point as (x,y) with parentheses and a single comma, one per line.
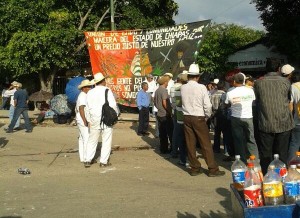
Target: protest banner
(127,56)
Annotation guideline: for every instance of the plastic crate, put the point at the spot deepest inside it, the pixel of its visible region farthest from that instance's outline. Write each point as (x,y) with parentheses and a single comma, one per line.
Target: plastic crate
(239,209)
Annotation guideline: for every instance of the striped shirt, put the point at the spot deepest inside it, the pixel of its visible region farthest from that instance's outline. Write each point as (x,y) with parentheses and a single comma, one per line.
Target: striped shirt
(178,102)
(273,95)
(215,99)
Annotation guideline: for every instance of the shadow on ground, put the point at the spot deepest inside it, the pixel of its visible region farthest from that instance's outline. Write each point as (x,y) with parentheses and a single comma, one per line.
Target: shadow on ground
(226,203)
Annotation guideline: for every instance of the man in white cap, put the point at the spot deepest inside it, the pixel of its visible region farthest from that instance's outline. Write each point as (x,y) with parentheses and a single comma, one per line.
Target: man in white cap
(10,92)
(286,71)
(151,89)
(196,109)
(82,123)
(170,81)
(95,101)
(21,107)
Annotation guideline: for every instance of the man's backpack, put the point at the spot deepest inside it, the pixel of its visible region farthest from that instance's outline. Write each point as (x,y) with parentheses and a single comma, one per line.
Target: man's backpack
(109,116)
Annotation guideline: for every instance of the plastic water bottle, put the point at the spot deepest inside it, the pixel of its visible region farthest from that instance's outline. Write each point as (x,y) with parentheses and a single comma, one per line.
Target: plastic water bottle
(291,186)
(257,167)
(279,166)
(272,188)
(238,170)
(295,160)
(252,188)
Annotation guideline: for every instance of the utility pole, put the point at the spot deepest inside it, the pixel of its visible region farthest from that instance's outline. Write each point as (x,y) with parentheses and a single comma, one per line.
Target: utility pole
(112,15)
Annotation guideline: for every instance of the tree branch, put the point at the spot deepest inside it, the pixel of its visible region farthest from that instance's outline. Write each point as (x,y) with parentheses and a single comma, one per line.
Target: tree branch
(83,43)
(83,19)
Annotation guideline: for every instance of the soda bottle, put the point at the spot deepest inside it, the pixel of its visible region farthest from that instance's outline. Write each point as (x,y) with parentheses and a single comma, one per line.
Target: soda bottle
(291,186)
(272,187)
(295,160)
(252,188)
(257,167)
(238,170)
(279,167)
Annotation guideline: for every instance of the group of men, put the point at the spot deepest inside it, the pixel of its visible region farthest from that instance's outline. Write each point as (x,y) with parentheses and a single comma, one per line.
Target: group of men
(182,111)
(257,119)
(88,116)
(18,106)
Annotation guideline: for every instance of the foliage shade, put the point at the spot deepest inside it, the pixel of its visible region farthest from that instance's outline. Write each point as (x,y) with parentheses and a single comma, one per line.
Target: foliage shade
(43,37)
(219,42)
(281,19)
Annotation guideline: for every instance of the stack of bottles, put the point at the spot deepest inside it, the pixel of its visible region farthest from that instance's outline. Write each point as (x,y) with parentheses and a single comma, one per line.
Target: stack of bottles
(277,187)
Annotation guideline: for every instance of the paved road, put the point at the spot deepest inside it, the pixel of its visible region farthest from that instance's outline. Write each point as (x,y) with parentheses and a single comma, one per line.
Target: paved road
(140,183)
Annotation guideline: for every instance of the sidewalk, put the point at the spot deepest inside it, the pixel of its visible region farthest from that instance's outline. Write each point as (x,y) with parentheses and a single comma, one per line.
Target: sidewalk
(123,117)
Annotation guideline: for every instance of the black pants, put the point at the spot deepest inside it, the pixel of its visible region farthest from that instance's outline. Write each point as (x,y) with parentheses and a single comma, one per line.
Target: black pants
(165,125)
(273,143)
(143,120)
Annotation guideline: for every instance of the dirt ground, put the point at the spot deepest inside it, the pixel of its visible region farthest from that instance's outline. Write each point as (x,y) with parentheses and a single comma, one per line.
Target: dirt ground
(140,182)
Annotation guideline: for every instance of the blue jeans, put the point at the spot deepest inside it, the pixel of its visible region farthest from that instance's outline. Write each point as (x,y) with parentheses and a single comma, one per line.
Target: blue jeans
(243,138)
(178,140)
(17,113)
(294,143)
(11,115)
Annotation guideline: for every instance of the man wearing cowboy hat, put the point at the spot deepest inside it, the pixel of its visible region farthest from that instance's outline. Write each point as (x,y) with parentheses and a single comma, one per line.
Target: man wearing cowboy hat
(196,109)
(10,92)
(95,101)
(21,107)
(82,123)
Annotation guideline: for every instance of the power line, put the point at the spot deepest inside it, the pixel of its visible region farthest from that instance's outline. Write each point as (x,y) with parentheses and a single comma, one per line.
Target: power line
(228,9)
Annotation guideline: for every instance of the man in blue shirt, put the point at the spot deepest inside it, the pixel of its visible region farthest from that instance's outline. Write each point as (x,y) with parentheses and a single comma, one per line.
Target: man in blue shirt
(143,102)
(21,107)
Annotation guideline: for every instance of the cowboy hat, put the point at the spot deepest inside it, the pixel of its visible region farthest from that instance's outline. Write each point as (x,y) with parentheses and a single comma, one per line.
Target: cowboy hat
(85,83)
(169,74)
(194,70)
(98,77)
(14,83)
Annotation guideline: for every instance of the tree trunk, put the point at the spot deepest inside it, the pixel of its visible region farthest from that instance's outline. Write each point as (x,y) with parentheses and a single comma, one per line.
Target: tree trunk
(47,83)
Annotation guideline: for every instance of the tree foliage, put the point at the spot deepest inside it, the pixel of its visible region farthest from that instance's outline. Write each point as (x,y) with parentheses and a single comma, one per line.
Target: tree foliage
(219,42)
(281,19)
(44,37)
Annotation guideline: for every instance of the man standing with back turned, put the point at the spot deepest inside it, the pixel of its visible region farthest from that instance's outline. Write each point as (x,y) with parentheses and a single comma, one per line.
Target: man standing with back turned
(95,102)
(275,119)
(196,109)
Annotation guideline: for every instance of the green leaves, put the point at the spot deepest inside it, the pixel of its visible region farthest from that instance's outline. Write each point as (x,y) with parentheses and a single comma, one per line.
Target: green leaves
(281,19)
(219,42)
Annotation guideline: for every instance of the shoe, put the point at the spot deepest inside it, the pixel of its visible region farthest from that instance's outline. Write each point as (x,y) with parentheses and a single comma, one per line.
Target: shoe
(229,159)
(216,174)
(196,172)
(9,131)
(181,163)
(87,164)
(146,133)
(28,131)
(94,161)
(105,165)
(140,134)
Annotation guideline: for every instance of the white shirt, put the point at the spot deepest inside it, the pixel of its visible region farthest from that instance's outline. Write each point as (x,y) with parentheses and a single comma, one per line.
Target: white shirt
(9,93)
(195,99)
(296,99)
(95,101)
(81,101)
(170,85)
(151,86)
(241,99)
